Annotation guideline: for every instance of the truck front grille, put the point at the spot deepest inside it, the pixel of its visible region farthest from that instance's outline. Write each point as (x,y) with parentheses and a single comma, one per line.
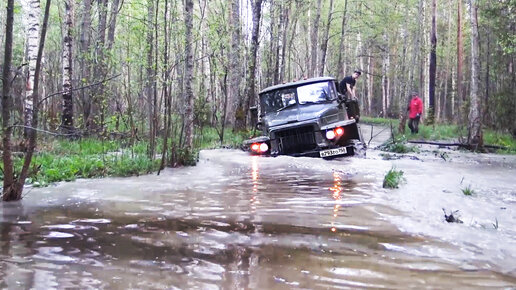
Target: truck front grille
(296,140)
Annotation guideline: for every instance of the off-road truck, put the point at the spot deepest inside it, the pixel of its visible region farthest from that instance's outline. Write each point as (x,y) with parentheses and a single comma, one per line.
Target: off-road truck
(306,118)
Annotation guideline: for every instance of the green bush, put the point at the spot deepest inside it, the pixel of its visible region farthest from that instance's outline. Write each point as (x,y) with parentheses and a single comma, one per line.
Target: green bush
(393,178)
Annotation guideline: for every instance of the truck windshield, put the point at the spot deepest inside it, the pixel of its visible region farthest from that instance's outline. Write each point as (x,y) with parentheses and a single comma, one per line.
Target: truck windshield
(315,93)
(277,100)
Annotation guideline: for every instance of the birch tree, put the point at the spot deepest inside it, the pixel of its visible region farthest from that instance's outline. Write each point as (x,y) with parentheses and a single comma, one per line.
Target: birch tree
(31,11)
(67,116)
(13,185)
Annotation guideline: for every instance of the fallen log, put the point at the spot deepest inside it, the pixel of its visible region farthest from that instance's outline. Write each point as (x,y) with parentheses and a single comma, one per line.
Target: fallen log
(461,145)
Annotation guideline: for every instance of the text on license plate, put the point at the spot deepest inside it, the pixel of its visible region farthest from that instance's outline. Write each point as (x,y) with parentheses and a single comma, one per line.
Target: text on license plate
(333,152)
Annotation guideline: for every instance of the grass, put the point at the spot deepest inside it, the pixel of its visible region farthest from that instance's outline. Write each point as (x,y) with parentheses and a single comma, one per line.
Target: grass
(379,121)
(393,178)
(445,132)
(62,160)
(66,160)
(468,191)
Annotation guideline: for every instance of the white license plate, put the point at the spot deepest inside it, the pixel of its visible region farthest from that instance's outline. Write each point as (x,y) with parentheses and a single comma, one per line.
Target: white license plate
(333,152)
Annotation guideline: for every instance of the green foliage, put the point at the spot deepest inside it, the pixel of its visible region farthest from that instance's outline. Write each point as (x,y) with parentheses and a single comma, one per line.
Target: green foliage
(500,139)
(504,106)
(201,112)
(379,121)
(468,191)
(440,132)
(398,145)
(209,138)
(63,160)
(393,178)
(186,157)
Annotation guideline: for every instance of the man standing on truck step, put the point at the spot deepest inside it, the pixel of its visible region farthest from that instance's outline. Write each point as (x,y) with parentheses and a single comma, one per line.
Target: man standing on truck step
(415,109)
(347,85)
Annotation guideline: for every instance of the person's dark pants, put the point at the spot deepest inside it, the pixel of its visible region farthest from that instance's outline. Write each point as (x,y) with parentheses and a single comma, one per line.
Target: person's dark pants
(413,124)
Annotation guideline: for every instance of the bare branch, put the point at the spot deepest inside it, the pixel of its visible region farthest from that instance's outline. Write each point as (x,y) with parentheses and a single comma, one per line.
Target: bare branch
(78,89)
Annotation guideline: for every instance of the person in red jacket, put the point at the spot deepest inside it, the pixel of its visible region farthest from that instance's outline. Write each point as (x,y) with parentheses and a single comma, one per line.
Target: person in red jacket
(415,109)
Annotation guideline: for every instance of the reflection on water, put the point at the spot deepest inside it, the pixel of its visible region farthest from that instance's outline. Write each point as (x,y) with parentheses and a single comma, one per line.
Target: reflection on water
(234,221)
(336,189)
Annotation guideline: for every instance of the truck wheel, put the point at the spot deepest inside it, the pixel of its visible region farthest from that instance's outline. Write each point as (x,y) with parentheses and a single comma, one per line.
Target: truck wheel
(359,149)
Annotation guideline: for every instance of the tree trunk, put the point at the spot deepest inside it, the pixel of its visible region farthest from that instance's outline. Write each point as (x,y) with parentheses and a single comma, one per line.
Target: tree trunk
(150,81)
(460,61)
(235,98)
(277,43)
(340,66)
(475,139)
(314,39)
(251,80)
(31,16)
(67,117)
(326,38)
(284,42)
(370,87)
(98,93)
(13,187)
(168,101)
(84,62)
(112,24)
(9,191)
(433,65)
(189,97)
(486,113)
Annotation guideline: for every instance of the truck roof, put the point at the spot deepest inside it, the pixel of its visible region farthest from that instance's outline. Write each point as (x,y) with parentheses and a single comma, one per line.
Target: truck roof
(297,83)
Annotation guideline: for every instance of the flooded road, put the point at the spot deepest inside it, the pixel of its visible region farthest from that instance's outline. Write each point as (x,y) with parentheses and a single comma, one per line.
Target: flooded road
(237,221)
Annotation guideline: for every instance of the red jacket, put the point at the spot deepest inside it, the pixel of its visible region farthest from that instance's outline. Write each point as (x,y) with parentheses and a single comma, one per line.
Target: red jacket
(415,107)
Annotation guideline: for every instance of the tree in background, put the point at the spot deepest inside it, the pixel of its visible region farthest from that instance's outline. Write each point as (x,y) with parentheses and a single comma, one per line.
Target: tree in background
(189,67)
(475,138)
(67,116)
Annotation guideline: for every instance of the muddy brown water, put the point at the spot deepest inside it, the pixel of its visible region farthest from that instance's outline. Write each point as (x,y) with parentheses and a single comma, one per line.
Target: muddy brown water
(236,221)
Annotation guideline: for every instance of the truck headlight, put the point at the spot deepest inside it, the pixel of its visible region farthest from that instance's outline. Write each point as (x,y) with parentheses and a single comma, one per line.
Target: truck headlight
(264,147)
(330,135)
(260,147)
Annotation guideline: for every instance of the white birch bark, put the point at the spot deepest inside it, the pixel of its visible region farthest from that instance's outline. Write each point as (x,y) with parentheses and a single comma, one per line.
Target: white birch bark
(67,116)
(31,12)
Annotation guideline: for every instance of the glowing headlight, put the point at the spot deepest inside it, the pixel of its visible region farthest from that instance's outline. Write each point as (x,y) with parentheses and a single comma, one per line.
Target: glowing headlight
(255,147)
(264,147)
(330,135)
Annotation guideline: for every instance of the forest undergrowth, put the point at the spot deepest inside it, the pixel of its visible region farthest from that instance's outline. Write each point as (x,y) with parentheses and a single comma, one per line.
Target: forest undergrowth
(446,133)
(67,160)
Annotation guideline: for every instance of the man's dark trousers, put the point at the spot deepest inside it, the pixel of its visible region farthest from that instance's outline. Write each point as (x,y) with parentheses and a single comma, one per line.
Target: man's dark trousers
(414,125)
